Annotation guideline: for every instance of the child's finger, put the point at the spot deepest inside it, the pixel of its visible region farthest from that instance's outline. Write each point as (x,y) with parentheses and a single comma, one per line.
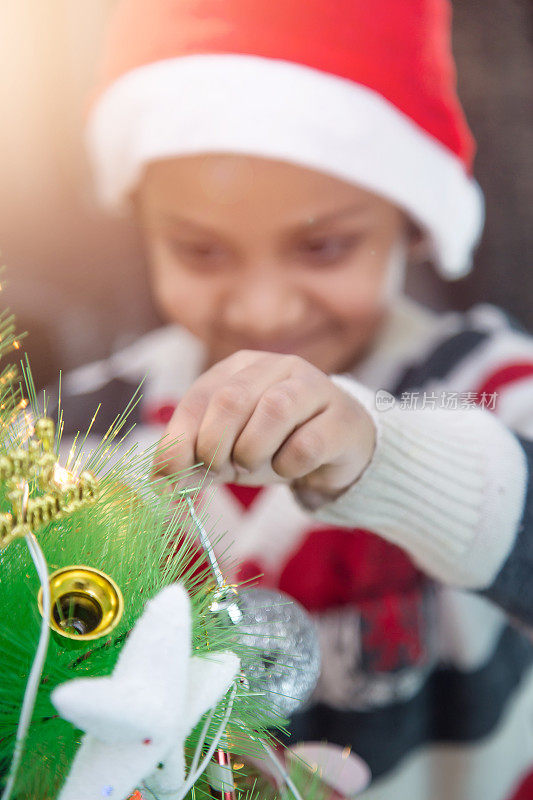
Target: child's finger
(281,408)
(313,444)
(183,428)
(330,451)
(181,432)
(232,404)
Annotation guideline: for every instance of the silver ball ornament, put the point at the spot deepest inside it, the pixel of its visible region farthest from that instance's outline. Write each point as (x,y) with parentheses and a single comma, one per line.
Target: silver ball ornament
(284,658)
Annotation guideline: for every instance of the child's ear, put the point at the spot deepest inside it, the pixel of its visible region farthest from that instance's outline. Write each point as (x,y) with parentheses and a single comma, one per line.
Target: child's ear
(418,249)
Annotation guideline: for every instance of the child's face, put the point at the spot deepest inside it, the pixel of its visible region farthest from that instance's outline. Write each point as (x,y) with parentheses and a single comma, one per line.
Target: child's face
(249,253)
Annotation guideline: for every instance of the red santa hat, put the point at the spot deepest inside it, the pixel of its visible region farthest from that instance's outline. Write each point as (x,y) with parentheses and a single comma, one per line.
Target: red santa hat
(360,89)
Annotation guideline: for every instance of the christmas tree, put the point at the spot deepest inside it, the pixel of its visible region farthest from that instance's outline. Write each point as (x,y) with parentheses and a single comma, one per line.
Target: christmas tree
(125,662)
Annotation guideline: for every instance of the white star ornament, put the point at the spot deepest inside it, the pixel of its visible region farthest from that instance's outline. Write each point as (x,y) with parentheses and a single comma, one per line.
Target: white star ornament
(136,721)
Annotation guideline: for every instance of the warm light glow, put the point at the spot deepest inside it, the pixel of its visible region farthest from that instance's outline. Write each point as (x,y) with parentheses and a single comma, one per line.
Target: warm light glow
(72,451)
(22,424)
(8,377)
(16,345)
(63,477)
(29,430)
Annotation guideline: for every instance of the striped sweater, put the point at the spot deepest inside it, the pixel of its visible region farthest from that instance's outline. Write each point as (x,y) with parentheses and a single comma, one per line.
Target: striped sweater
(420,576)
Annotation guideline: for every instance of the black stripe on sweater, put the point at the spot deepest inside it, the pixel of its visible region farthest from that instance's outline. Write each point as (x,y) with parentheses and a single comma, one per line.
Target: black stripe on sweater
(513,588)
(441,360)
(452,706)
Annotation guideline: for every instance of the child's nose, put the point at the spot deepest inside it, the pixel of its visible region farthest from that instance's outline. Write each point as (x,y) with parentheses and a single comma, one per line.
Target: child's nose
(264,306)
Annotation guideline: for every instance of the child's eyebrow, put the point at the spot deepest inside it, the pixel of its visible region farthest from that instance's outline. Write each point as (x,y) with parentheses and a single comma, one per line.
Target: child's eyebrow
(332,216)
(307,224)
(176,219)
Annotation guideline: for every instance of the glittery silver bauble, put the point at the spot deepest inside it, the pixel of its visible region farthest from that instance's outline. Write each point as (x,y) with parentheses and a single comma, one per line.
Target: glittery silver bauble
(285,659)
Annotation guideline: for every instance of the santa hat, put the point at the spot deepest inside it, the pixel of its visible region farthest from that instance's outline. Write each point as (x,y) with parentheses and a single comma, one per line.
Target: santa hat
(363,90)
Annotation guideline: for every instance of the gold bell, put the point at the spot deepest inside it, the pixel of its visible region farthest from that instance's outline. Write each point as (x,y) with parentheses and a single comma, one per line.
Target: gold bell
(86,604)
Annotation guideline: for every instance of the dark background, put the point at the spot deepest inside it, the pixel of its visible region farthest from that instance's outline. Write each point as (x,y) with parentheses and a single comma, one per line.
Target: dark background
(75,278)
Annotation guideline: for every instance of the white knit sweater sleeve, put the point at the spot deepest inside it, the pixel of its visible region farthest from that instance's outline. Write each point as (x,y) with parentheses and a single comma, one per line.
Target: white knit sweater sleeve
(446,486)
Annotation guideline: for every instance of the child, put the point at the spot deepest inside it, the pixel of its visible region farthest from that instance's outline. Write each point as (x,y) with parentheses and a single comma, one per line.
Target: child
(285,160)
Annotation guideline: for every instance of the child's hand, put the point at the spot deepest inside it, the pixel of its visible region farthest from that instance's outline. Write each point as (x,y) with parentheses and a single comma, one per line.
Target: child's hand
(259,417)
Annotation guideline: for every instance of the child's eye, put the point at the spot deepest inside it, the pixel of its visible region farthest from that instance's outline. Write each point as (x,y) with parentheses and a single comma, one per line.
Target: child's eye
(327,249)
(200,253)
